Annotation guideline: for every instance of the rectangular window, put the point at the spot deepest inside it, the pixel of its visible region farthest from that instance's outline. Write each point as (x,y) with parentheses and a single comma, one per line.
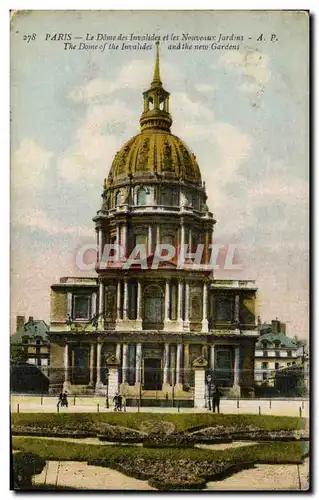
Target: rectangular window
(224,310)
(82,307)
(264,365)
(264,376)
(265,354)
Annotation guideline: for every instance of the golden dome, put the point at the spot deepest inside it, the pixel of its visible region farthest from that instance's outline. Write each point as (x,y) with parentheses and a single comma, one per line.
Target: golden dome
(155,151)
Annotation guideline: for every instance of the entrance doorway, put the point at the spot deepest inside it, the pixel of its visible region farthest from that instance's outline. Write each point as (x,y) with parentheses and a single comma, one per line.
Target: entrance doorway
(81,374)
(152,374)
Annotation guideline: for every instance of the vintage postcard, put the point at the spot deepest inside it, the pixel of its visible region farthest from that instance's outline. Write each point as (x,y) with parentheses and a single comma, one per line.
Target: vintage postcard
(159,250)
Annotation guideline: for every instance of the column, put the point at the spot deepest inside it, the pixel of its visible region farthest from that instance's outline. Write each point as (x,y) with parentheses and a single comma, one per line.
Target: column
(186,363)
(205,322)
(100,243)
(149,240)
(125,307)
(118,300)
(66,363)
(93,304)
(69,304)
(117,234)
(182,235)
(98,363)
(118,351)
(166,364)
(125,363)
(101,299)
(186,302)
(138,363)
(124,239)
(180,301)
(237,300)
(190,239)
(237,366)
(212,357)
(158,234)
(139,301)
(167,299)
(92,364)
(179,363)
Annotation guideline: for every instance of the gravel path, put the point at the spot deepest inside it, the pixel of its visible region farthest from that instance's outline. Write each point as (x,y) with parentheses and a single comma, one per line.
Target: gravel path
(266,477)
(79,475)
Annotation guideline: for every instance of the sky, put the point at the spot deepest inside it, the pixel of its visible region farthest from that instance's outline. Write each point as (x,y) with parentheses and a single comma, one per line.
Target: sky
(244,113)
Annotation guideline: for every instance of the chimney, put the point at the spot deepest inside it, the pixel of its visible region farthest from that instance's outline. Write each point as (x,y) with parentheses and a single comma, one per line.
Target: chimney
(20,322)
(30,319)
(283,328)
(275,325)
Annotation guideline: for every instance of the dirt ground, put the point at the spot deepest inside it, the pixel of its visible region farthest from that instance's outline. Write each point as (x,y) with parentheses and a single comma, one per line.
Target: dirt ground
(79,475)
(263,477)
(266,477)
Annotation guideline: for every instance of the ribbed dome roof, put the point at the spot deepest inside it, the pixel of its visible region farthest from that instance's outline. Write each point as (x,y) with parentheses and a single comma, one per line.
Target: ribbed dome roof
(155,153)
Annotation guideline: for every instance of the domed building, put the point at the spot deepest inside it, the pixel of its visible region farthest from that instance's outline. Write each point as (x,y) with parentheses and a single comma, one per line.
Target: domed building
(153,312)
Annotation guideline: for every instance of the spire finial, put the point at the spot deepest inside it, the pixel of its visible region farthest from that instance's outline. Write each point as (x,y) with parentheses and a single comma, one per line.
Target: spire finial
(157,77)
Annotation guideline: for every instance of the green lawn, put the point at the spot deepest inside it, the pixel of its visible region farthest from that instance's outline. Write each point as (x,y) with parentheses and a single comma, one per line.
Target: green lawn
(182,421)
(54,449)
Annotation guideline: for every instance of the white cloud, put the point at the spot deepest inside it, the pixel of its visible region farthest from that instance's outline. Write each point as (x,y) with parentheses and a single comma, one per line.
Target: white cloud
(253,65)
(137,74)
(39,219)
(29,164)
(90,157)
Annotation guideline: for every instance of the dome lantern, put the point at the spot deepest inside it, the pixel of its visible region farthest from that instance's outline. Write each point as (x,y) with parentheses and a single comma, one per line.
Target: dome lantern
(156,103)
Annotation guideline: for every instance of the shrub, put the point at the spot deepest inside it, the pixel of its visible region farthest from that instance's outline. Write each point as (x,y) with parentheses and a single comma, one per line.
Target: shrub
(164,484)
(25,465)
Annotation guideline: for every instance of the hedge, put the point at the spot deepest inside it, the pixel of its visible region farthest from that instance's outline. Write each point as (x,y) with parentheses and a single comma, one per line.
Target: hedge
(26,464)
(167,468)
(181,421)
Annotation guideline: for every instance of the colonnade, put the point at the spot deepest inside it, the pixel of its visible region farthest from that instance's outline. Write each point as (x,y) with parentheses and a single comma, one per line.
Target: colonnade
(182,313)
(186,237)
(172,373)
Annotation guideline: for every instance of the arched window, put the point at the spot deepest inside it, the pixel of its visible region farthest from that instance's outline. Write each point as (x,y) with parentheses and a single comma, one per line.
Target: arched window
(118,198)
(169,196)
(167,239)
(141,197)
(140,239)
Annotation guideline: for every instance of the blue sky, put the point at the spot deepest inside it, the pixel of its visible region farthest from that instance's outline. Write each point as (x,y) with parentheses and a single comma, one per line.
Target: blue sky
(244,114)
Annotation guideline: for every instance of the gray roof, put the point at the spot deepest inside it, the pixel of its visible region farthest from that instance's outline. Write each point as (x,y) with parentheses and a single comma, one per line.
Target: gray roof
(271,338)
(33,330)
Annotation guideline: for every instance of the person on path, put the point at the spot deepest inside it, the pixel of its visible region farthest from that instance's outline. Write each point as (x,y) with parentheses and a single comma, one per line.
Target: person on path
(60,399)
(216,399)
(64,401)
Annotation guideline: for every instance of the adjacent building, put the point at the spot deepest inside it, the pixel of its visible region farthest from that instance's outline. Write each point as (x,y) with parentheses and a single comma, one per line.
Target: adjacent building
(32,336)
(274,351)
(154,322)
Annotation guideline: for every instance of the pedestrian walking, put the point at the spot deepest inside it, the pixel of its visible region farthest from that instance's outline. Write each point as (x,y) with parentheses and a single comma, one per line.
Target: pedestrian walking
(216,399)
(64,401)
(60,399)
(120,401)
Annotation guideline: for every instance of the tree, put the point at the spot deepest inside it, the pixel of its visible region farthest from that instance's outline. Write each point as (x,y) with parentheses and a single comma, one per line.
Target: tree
(17,353)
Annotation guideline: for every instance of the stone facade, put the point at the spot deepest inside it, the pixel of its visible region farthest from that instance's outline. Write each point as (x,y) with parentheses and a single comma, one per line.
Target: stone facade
(156,320)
